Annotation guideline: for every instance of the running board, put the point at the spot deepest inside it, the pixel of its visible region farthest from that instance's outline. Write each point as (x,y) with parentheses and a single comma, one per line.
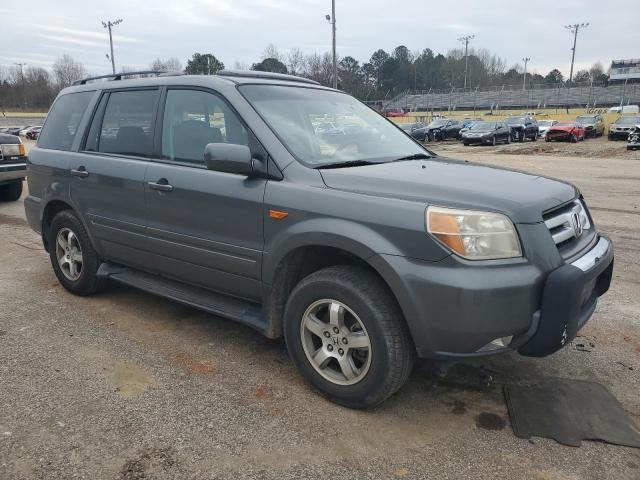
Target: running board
(226,306)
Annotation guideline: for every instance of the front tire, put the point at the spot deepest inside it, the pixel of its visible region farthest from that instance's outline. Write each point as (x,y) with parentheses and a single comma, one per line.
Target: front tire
(574,138)
(11,192)
(347,336)
(74,260)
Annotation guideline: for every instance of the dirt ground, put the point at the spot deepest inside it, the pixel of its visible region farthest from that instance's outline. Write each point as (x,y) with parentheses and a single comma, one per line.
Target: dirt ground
(125,385)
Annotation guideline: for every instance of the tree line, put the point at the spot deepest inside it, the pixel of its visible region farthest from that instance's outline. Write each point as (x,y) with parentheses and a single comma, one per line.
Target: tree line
(383,76)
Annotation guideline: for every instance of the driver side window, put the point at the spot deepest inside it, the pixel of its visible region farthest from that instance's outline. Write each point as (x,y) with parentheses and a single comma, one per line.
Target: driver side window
(192,119)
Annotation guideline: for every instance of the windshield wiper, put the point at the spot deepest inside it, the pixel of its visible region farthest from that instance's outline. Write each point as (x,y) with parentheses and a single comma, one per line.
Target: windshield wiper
(415,156)
(350,163)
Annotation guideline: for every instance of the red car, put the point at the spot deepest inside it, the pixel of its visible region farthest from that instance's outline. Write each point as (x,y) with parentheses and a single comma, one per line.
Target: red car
(393,112)
(568,131)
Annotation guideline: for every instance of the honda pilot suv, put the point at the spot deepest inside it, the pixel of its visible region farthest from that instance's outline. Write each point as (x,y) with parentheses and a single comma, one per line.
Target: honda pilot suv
(363,250)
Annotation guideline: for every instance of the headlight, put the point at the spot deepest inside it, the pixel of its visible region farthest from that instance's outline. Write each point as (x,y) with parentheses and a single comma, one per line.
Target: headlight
(474,235)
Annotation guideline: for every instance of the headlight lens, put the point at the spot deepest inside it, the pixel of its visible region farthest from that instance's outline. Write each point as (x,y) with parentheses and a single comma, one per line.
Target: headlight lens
(474,235)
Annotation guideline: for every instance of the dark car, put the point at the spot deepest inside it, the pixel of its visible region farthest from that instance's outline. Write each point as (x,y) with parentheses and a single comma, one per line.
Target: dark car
(442,128)
(363,252)
(13,130)
(33,133)
(622,127)
(634,138)
(487,133)
(417,130)
(593,125)
(523,127)
(13,167)
(466,125)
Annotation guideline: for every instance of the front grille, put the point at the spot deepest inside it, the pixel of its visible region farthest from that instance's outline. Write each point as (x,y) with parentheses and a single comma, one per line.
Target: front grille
(568,223)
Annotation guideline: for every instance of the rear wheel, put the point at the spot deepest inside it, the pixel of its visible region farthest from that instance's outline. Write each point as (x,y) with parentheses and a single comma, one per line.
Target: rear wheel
(347,337)
(522,136)
(11,192)
(534,138)
(74,260)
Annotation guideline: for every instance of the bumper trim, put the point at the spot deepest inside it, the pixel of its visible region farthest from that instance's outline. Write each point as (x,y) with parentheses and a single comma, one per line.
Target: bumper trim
(593,256)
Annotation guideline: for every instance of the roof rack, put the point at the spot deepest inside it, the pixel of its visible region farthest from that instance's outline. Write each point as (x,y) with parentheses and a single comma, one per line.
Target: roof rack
(267,75)
(118,76)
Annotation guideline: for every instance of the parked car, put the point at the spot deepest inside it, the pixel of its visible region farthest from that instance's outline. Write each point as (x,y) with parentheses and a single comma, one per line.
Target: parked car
(630,109)
(24,130)
(393,112)
(544,126)
(523,127)
(33,133)
(13,130)
(417,130)
(444,128)
(466,125)
(362,256)
(622,127)
(634,138)
(13,167)
(593,125)
(487,133)
(566,131)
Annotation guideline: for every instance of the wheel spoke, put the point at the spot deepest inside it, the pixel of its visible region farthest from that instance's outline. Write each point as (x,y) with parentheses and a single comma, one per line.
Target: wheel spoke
(76,257)
(336,315)
(62,261)
(315,325)
(358,340)
(347,367)
(62,242)
(71,239)
(73,269)
(321,358)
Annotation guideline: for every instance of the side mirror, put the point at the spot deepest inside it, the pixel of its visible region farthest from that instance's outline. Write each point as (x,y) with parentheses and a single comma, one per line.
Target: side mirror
(228,158)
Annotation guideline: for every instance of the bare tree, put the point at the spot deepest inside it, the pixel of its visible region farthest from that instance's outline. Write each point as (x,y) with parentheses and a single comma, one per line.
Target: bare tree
(295,61)
(66,71)
(271,51)
(238,65)
(171,64)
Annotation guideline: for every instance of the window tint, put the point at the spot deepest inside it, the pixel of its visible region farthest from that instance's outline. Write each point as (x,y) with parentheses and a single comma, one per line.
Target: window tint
(62,122)
(192,119)
(127,125)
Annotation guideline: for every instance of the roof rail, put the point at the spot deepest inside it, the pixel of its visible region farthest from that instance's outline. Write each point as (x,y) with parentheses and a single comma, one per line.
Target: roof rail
(118,76)
(267,75)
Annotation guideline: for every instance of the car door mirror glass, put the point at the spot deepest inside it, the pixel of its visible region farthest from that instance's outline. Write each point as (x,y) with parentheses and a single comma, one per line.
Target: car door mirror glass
(228,158)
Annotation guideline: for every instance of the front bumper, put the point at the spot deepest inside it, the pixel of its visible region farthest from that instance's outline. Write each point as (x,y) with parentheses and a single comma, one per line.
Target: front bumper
(618,135)
(12,171)
(455,310)
(476,140)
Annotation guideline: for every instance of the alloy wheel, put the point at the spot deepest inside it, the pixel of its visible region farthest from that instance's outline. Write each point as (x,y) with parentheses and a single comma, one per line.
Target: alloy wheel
(69,254)
(335,342)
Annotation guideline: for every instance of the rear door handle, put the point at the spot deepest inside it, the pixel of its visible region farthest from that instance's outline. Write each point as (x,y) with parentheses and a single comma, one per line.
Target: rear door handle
(161,185)
(80,172)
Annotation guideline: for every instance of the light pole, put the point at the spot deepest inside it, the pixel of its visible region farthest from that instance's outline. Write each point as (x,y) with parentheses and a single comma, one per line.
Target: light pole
(466,39)
(574,29)
(24,92)
(524,80)
(332,20)
(109,25)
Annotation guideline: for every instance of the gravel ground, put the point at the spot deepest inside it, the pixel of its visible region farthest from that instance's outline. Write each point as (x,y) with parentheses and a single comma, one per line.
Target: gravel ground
(125,385)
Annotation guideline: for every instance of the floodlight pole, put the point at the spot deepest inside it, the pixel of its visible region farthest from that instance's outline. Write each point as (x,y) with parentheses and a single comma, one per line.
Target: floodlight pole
(575,28)
(466,40)
(24,90)
(109,25)
(524,80)
(332,20)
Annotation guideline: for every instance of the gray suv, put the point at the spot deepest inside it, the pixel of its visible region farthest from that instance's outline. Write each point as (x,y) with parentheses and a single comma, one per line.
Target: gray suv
(362,249)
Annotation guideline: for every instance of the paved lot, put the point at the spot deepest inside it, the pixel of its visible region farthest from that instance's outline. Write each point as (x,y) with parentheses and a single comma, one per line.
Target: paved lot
(125,385)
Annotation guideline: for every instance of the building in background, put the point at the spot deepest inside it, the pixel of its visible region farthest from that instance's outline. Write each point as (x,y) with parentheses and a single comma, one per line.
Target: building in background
(625,71)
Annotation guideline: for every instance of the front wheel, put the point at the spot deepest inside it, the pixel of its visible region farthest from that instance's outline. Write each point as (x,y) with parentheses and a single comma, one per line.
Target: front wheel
(493,141)
(11,192)
(509,139)
(574,138)
(347,336)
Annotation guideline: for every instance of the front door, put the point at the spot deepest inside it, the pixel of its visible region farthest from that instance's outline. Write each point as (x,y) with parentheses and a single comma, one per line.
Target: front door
(109,173)
(204,227)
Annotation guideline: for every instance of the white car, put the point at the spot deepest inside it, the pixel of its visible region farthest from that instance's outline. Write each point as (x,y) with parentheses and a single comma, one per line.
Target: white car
(25,130)
(544,126)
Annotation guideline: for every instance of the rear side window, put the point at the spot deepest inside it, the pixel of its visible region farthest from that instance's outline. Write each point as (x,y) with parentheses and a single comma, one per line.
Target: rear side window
(63,120)
(125,124)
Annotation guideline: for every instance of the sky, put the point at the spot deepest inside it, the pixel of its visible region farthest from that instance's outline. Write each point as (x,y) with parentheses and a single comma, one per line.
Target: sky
(239,30)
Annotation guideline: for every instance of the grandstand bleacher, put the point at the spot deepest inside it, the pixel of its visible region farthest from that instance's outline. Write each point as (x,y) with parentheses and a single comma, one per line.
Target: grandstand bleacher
(505,98)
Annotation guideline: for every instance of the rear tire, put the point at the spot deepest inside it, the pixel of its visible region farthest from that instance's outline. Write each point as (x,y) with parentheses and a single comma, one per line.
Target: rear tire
(11,192)
(74,260)
(325,352)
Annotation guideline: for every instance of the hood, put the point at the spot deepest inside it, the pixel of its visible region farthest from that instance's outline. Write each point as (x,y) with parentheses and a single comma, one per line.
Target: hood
(563,128)
(451,183)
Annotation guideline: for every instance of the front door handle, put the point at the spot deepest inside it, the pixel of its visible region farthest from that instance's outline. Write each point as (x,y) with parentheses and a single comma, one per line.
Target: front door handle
(80,172)
(161,185)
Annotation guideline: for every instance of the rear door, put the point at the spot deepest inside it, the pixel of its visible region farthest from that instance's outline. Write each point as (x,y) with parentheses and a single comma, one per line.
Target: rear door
(109,173)
(204,227)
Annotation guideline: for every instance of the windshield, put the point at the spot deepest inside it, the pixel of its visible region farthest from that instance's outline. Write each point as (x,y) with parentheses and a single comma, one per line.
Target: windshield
(545,123)
(357,133)
(586,119)
(628,121)
(515,120)
(483,126)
